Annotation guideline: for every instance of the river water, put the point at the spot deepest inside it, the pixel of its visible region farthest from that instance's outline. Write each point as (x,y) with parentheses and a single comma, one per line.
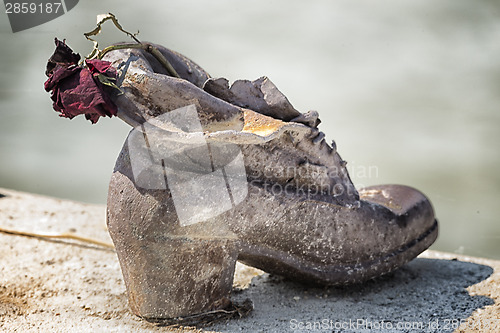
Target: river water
(409,90)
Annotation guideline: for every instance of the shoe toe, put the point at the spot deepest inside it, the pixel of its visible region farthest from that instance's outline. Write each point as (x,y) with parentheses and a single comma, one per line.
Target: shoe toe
(413,211)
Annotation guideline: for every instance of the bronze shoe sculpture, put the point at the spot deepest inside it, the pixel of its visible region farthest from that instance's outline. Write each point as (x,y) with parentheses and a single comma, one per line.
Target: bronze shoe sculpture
(292,207)
(213,173)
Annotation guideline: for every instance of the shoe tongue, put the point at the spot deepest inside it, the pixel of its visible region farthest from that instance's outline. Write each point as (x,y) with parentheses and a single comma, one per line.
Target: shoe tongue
(260,95)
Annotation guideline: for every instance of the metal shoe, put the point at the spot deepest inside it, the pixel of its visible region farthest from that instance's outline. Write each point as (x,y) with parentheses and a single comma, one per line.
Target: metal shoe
(213,173)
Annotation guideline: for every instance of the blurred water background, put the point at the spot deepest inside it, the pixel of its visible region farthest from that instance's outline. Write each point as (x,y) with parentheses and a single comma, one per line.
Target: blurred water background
(410,91)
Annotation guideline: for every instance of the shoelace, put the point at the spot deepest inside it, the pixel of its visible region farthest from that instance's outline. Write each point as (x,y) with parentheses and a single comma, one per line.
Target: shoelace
(311,119)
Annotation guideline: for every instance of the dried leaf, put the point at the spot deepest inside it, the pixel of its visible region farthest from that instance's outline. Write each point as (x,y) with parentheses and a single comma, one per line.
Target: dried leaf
(101,19)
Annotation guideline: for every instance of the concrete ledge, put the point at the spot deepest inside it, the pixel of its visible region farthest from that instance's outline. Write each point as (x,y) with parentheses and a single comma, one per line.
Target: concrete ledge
(67,285)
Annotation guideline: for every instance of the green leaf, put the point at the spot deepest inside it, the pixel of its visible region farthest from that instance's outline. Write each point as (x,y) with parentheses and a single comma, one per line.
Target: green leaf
(108,81)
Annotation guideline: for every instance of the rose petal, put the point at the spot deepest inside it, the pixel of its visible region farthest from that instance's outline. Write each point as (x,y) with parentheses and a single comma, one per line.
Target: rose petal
(98,66)
(78,94)
(63,55)
(59,73)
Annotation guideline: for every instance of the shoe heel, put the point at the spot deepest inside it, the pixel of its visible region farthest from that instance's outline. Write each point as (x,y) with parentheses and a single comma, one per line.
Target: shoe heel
(177,276)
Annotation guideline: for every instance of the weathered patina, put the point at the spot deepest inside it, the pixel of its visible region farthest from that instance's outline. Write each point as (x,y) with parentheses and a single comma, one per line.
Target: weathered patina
(302,217)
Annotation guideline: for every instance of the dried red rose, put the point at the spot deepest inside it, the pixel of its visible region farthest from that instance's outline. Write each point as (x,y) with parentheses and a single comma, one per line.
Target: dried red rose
(79,90)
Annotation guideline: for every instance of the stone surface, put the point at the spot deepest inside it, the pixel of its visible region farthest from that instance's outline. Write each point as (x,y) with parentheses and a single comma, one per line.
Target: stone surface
(66,285)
